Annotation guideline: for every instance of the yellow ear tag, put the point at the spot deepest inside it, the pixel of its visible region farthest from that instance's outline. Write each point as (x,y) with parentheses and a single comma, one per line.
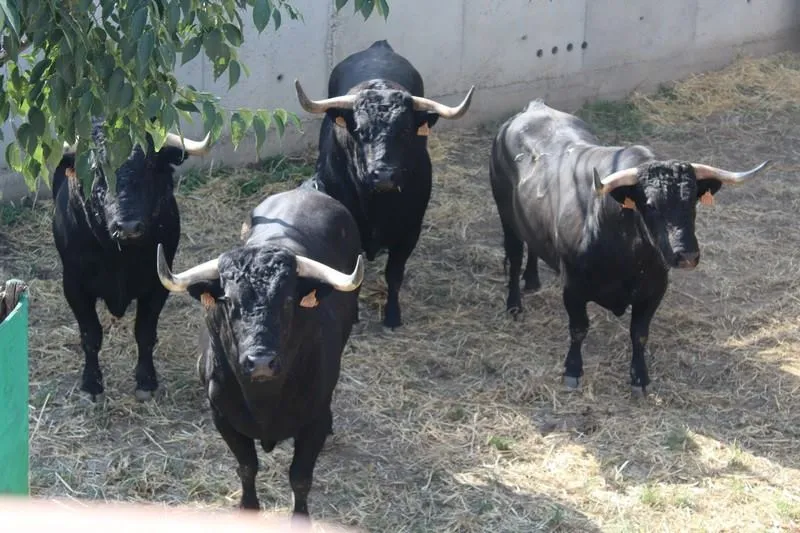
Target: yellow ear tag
(424,130)
(629,204)
(340,121)
(207,300)
(310,299)
(707,198)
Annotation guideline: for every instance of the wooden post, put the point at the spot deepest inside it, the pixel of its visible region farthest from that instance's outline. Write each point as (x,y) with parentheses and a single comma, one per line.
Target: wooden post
(14,400)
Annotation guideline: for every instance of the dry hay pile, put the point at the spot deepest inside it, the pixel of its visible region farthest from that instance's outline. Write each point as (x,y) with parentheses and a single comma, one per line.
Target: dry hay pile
(457,421)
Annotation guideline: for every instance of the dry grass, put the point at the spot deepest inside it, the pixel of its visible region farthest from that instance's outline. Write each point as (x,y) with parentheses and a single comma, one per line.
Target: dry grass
(458,422)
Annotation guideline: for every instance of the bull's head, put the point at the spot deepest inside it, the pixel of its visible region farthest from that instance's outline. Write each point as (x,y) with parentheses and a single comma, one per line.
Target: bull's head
(253,293)
(666,194)
(143,184)
(381,122)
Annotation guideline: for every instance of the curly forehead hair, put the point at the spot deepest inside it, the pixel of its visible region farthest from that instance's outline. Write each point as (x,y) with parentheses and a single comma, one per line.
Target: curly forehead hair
(256,266)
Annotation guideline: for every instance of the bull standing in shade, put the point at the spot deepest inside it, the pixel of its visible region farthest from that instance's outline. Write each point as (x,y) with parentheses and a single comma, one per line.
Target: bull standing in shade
(107,242)
(613,239)
(278,315)
(373,154)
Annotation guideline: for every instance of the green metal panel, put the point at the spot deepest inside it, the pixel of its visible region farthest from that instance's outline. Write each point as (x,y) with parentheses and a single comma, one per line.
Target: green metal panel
(14,400)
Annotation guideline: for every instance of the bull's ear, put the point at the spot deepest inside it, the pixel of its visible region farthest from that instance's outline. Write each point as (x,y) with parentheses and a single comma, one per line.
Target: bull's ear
(339,117)
(706,189)
(425,121)
(311,292)
(627,196)
(206,291)
(171,155)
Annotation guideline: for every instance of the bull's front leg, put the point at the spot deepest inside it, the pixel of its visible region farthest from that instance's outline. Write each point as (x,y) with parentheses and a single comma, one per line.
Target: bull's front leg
(575,305)
(148,310)
(395,272)
(83,307)
(641,315)
(244,449)
(307,446)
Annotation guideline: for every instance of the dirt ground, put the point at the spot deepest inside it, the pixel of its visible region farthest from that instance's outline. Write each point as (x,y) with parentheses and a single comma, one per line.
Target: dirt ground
(458,421)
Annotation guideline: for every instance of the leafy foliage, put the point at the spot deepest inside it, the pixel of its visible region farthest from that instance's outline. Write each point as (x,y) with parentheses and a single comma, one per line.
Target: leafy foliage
(70,60)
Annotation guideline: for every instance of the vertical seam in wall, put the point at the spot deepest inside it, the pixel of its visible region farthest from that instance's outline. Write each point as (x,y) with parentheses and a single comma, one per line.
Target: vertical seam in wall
(694,21)
(463,43)
(329,38)
(585,29)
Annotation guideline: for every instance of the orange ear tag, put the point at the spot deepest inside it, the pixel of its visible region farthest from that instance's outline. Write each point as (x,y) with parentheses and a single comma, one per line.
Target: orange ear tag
(70,173)
(310,299)
(340,121)
(629,204)
(207,300)
(707,198)
(424,130)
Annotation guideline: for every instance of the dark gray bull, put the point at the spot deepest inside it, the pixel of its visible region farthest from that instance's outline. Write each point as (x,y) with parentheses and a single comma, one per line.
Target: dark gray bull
(612,239)
(278,315)
(373,153)
(104,242)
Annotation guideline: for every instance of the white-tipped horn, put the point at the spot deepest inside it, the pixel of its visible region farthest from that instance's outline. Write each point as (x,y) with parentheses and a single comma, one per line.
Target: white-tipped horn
(620,178)
(191,147)
(207,271)
(308,268)
(70,148)
(320,106)
(703,172)
(444,111)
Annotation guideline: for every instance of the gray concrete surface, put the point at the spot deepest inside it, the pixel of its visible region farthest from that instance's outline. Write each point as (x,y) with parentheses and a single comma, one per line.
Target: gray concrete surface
(494,45)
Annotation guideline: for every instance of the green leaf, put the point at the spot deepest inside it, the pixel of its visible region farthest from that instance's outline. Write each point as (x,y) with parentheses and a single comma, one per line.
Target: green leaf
(169,117)
(340,4)
(36,120)
(276,18)
(83,168)
(260,129)
(137,24)
(11,13)
(125,95)
(234,71)
(13,157)
(152,106)
(366,8)
(280,117)
(261,13)
(185,105)
(190,49)
(233,34)
(382,8)
(173,16)
(238,128)
(143,52)
(27,138)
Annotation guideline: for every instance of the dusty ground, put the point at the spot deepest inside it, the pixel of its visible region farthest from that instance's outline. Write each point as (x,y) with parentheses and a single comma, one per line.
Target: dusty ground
(458,422)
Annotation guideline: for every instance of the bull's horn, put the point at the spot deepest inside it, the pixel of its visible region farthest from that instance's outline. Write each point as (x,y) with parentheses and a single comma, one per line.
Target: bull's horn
(207,271)
(444,111)
(308,268)
(191,147)
(70,148)
(320,106)
(703,172)
(620,178)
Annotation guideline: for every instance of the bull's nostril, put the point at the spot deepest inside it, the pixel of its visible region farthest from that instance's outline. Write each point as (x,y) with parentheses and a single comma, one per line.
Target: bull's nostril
(273,363)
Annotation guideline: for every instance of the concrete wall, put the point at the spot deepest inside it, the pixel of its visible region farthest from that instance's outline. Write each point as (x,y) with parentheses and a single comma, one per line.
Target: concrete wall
(565,51)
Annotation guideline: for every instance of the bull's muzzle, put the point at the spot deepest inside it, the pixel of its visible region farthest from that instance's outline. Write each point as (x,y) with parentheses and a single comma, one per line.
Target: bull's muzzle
(126,230)
(687,260)
(261,367)
(383,181)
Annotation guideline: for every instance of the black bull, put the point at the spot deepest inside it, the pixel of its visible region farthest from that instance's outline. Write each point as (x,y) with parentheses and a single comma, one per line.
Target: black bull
(107,240)
(279,312)
(373,154)
(613,239)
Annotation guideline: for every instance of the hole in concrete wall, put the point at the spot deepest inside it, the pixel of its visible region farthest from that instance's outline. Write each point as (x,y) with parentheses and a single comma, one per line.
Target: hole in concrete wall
(555,50)
(539,52)
(280,77)
(524,37)
(584,44)
(569,47)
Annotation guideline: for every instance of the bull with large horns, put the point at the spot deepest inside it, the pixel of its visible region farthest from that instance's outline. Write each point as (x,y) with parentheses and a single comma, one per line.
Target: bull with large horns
(373,153)
(106,240)
(612,220)
(278,313)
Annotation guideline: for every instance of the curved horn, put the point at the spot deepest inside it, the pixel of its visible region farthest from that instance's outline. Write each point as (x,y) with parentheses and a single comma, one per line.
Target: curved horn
(180,282)
(444,111)
(308,268)
(320,106)
(703,172)
(70,148)
(191,147)
(620,178)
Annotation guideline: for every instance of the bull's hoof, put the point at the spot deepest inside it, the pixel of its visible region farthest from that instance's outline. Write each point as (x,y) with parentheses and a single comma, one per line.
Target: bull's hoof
(638,393)
(249,505)
(97,399)
(392,324)
(94,391)
(572,383)
(532,285)
(143,395)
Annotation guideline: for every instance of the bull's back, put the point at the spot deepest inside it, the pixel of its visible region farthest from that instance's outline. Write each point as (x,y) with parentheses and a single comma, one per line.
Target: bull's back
(379,61)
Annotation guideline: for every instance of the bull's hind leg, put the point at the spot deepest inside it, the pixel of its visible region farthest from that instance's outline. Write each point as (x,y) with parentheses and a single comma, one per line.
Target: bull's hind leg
(641,315)
(148,309)
(244,449)
(513,261)
(83,307)
(575,305)
(307,446)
